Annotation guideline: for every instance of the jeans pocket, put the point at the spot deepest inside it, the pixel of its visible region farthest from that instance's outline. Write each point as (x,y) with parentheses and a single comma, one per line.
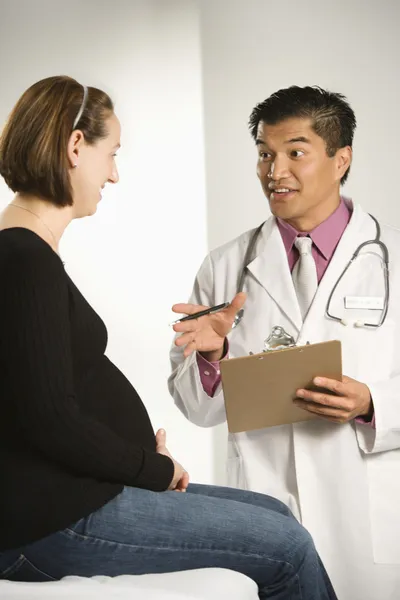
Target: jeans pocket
(78,529)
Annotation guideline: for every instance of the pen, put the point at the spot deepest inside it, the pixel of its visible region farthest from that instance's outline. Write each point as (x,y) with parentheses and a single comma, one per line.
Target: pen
(203,313)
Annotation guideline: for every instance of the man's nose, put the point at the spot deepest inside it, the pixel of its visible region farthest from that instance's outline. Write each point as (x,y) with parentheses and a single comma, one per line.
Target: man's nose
(279,169)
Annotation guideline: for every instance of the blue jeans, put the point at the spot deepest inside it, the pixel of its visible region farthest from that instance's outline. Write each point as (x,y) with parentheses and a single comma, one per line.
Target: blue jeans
(141,531)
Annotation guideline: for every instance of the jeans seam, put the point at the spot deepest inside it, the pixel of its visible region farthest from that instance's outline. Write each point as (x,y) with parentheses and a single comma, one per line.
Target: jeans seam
(39,570)
(268,588)
(15,566)
(86,538)
(71,533)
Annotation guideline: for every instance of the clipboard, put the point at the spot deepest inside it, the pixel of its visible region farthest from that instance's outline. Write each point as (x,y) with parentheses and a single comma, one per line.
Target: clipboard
(259,389)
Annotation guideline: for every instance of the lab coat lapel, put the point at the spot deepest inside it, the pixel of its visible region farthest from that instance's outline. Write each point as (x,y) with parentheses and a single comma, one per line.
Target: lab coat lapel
(271,269)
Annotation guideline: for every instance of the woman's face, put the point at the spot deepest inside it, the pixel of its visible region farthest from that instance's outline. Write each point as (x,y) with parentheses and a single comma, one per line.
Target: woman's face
(95,166)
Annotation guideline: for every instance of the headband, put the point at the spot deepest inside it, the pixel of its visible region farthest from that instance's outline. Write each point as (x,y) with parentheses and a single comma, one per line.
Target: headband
(82,108)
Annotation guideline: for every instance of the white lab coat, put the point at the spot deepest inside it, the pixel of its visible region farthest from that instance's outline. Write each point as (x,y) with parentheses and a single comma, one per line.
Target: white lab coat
(341,481)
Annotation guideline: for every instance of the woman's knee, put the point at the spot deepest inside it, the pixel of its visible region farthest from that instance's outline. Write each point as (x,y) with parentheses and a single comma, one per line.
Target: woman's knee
(300,544)
(279,506)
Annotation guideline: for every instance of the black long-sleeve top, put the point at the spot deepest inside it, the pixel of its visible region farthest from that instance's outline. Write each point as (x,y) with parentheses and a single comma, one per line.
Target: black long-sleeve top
(73,430)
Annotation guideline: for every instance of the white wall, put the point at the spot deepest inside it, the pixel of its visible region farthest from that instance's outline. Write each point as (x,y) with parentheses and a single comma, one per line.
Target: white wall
(138,255)
(255,47)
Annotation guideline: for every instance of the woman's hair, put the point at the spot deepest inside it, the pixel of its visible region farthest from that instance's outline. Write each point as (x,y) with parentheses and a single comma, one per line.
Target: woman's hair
(33,143)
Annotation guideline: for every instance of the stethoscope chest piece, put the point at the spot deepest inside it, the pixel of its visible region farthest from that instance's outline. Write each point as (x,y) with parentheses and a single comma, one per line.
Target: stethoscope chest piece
(277,339)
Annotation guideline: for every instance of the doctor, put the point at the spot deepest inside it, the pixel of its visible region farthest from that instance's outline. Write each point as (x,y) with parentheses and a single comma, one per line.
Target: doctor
(339,473)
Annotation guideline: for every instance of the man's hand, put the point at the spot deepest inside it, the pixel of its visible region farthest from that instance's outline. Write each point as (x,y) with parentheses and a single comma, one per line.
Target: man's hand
(180,480)
(349,399)
(206,334)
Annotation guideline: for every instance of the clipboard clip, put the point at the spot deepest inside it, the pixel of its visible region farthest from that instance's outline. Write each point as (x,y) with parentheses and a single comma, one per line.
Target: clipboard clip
(277,340)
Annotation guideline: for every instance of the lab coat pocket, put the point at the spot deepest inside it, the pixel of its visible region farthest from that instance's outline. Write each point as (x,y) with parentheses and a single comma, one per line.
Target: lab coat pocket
(384,485)
(368,353)
(235,473)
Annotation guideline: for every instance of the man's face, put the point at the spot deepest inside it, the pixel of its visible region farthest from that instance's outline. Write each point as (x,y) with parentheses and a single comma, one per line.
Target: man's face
(296,174)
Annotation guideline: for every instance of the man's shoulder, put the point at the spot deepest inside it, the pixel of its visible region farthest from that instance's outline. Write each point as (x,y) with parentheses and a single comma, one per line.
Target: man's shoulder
(391,237)
(236,247)
(391,231)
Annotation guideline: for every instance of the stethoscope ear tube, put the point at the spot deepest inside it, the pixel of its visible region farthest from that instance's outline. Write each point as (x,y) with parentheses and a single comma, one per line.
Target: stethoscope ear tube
(249,257)
(246,261)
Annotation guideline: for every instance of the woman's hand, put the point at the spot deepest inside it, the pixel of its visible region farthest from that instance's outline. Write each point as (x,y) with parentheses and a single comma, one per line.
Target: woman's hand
(180,479)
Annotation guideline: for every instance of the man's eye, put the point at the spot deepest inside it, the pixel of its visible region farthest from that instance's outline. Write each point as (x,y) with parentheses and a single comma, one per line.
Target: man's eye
(296,153)
(265,155)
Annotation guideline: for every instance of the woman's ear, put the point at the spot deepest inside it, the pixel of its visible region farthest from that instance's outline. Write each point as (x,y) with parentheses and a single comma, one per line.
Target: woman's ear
(75,143)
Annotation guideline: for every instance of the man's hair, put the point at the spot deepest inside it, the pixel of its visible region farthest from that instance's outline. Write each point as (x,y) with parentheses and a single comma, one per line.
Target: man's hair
(33,143)
(331,116)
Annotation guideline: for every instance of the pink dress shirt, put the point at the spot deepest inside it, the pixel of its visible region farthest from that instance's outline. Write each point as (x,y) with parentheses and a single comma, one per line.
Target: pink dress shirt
(325,238)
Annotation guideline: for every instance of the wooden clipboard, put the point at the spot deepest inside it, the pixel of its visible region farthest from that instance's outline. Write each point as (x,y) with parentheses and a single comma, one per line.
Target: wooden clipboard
(259,389)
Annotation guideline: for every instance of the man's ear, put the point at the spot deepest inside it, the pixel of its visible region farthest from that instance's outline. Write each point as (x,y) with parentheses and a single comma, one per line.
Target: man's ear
(343,158)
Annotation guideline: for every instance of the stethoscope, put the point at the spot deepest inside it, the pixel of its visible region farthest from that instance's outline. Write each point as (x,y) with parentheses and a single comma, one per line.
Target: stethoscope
(385,264)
